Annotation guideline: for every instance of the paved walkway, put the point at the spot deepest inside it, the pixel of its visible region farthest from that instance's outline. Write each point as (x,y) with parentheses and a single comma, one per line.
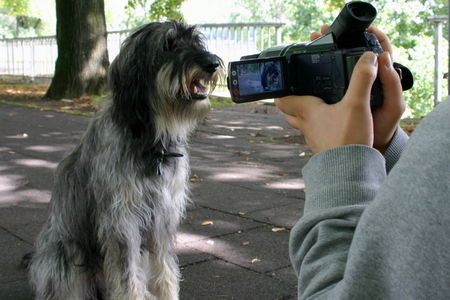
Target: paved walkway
(246,186)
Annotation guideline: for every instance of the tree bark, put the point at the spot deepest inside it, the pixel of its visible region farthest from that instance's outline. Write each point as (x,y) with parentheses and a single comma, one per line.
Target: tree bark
(82,63)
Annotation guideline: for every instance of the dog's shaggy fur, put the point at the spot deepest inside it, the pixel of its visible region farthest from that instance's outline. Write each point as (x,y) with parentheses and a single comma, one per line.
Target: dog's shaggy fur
(120,195)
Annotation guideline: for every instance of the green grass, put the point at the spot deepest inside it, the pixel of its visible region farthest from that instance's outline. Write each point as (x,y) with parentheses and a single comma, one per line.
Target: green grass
(219,101)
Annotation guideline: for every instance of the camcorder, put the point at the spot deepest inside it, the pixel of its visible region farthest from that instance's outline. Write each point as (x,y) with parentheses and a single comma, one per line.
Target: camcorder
(320,68)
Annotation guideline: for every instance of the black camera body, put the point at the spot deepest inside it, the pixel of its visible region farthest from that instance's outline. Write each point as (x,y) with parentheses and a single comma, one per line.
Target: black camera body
(320,68)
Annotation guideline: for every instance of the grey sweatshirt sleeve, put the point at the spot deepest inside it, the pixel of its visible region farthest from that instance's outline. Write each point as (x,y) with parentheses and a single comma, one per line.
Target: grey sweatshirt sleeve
(368,235)
(393,152)
(340,183)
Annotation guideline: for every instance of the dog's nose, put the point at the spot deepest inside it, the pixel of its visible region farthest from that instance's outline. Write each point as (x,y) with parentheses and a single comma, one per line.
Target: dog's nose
(212,66)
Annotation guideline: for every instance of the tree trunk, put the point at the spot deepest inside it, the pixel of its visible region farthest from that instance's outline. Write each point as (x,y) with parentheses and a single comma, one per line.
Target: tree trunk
(82,63)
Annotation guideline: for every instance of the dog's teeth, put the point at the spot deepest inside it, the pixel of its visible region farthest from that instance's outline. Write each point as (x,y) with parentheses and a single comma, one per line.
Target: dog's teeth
(198,88)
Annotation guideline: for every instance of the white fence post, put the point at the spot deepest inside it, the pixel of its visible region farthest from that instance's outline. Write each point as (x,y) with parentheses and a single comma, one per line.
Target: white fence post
(438,21)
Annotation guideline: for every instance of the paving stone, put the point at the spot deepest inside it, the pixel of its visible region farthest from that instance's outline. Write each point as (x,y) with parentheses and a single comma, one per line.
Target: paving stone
(25,222)
(221,280)
(235,199)
(24,179)
(188,256)
(260,249)
(12,250)
(284,216)
(282,187)
(248,182)
(16,290)
(202,223)
(285,274)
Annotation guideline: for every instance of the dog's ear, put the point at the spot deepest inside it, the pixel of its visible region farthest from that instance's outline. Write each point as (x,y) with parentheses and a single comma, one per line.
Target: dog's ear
(130,86)
(180,34)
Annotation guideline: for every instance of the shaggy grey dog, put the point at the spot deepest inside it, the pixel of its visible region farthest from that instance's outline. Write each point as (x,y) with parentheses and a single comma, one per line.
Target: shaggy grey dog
(120,195)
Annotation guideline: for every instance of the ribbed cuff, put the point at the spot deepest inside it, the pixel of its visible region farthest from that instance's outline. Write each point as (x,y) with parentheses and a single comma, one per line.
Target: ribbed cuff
(346,175)
(393,152)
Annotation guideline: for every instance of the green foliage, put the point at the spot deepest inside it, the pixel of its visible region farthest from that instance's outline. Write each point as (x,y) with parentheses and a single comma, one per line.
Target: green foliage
(267,11)
(14,7)
(154,10)
(404,21)
(16,19)
(411,33)
(308,16)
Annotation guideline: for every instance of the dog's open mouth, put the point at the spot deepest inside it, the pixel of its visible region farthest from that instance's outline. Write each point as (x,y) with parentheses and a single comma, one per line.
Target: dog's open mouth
(199,89)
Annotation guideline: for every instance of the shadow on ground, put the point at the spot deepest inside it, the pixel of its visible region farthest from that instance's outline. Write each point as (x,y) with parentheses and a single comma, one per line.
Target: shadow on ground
(246,189)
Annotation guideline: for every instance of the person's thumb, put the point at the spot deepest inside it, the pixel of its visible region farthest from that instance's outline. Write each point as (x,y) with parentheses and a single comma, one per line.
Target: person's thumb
(363,77)
(297,106)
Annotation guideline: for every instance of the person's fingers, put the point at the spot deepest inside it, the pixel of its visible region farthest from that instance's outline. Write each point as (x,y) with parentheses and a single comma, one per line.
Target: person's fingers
(292,121)
(382,38)
(387,116)
(324,28)
(362,79)
(391,83)
(315,35)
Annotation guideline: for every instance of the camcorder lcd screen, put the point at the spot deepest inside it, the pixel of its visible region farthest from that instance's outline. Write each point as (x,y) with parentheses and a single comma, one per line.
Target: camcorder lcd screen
(260,77)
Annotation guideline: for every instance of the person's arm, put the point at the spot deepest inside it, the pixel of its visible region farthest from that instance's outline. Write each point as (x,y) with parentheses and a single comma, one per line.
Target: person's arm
(395,148)
(340,183)
(344,176)
(364,236)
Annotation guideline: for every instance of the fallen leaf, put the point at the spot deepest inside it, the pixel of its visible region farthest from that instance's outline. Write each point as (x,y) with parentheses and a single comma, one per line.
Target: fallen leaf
(255,260)
(257,134)
(304,154)
(278,229)
(206,223)
(242,153)
(195,178)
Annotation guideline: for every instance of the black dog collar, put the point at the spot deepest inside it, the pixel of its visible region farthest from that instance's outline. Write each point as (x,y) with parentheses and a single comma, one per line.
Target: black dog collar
(162,156)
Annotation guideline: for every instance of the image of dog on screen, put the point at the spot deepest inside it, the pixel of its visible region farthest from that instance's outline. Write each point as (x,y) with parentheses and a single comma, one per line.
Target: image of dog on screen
(271,77)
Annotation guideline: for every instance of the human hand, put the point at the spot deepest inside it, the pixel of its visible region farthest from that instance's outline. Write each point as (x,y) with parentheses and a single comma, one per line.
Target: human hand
(385,118)
(347,122)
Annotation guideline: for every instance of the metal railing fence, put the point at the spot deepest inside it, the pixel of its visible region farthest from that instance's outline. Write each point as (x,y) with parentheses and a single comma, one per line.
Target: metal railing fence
(35,57)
